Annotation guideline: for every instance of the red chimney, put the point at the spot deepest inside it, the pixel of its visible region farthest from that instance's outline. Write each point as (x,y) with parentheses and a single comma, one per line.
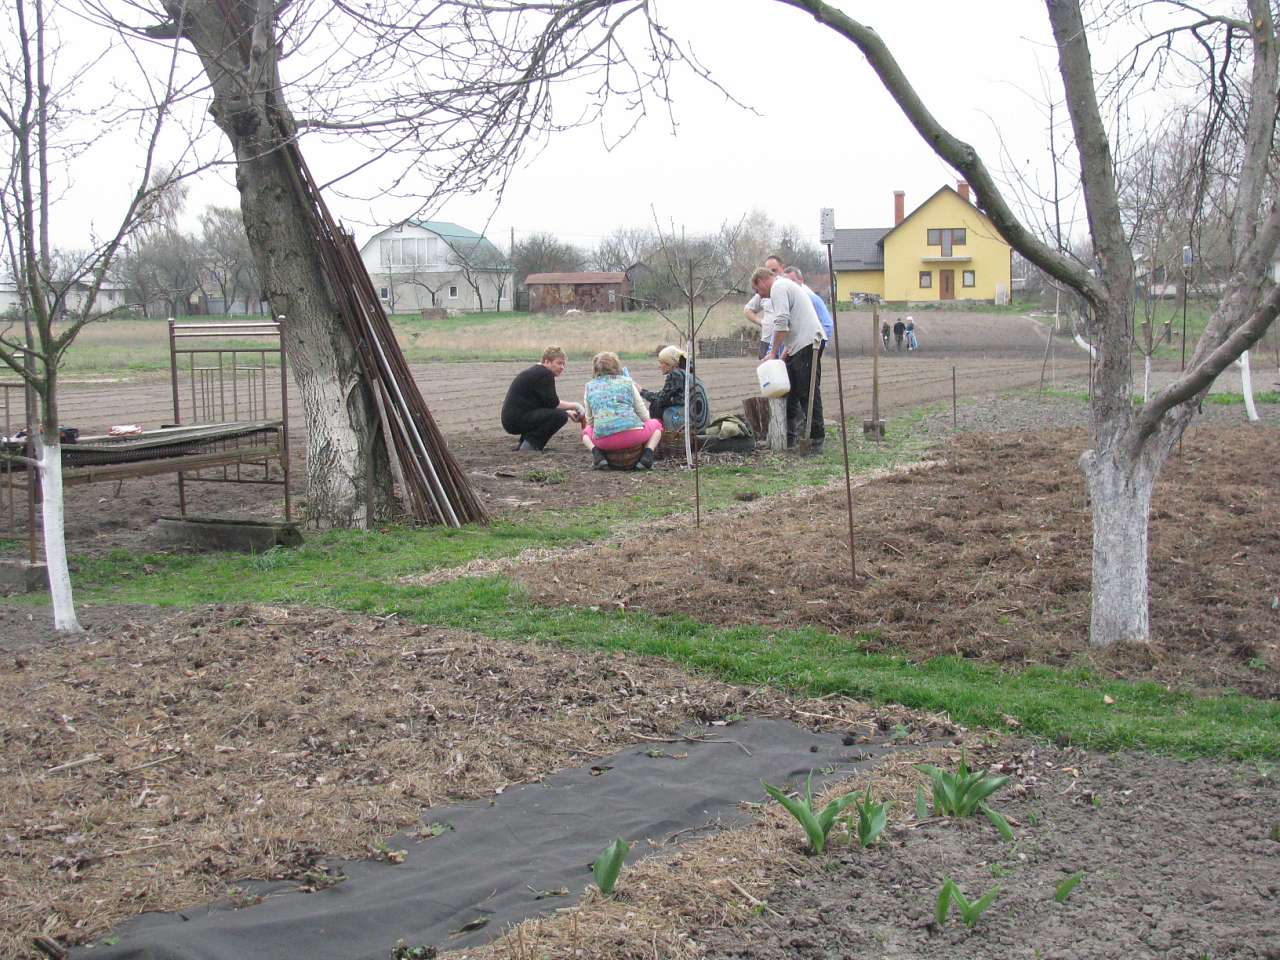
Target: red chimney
(899,206)
(962,188)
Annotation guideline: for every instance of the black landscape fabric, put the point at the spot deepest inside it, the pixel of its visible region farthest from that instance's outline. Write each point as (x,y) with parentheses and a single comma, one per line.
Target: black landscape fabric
(500,853)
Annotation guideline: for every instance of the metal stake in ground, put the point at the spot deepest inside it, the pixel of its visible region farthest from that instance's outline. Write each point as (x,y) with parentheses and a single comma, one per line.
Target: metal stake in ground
(829,237)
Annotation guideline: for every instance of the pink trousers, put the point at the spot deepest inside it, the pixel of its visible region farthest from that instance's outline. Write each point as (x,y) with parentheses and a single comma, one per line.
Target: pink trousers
(625,439)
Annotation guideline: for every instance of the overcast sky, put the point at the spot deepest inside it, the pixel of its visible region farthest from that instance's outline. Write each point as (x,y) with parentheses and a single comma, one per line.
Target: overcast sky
(824,131)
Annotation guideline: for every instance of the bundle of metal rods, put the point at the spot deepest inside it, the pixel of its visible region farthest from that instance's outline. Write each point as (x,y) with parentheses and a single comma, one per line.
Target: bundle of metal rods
(432,486)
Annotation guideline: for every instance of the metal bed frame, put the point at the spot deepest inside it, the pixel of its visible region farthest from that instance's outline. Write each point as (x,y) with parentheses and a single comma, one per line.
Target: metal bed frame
(236,426)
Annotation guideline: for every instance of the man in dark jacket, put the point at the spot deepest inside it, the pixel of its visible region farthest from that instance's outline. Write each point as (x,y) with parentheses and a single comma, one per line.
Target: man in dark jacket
(899,329)
(532,410)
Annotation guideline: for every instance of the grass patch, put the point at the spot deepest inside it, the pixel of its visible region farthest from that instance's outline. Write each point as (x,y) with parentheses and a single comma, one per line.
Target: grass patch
(370,572)
(352,557)
(1228,399)
(1050,702)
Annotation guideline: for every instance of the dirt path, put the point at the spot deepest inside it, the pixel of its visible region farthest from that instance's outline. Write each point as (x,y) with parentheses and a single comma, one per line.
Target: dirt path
(988,352)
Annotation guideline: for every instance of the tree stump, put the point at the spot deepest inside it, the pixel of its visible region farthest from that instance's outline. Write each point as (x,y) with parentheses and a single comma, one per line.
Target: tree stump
(755,410)
(778,424)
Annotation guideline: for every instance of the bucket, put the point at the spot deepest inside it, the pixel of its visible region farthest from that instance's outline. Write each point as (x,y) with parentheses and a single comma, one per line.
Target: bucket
(774,382)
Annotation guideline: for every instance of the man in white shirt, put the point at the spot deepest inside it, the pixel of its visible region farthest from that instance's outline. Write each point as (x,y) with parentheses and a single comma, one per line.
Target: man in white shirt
(760,311)
(797,333)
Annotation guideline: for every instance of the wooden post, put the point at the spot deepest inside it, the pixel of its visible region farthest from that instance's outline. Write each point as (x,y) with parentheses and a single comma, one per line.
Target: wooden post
(778,424)
(953,399)
(874,426)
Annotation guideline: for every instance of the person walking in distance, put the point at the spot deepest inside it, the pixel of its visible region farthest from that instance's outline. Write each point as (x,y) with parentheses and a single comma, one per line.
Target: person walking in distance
(899,330)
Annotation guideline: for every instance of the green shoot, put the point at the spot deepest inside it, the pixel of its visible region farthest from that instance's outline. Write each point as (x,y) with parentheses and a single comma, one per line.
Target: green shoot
(962,794)
(950,895)
(816,825)
(922,806)
(609,864)
(1000,823)
(872,818)
(1063,890)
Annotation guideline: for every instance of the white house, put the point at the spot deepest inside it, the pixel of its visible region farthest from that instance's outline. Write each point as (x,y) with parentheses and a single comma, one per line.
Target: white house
(431,263)
(110,296)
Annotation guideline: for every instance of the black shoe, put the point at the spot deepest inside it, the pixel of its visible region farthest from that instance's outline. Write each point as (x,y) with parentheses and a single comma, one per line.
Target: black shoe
(598,460)
(646,460)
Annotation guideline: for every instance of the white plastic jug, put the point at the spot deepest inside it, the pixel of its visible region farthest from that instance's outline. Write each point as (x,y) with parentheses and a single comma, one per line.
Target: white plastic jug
(773,378)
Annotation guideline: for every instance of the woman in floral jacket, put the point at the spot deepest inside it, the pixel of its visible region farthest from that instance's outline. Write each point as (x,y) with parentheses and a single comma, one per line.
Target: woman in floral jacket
(616,416)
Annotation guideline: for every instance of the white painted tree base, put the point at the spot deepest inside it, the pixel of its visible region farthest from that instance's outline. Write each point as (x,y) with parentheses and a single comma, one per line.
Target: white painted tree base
(778,424)
(49,458)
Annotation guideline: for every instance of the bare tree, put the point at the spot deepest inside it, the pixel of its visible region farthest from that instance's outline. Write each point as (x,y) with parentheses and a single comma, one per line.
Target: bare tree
(38,160)
(477,262)
(227,259)
(455,94)
(433,283)
(696,268)
(1131,445)
(544,252)
(622,249)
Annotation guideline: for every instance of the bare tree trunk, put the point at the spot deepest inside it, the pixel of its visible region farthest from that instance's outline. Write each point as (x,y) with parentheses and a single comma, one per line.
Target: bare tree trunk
(1120,497)
(348,476)
(49,456)
(342,439)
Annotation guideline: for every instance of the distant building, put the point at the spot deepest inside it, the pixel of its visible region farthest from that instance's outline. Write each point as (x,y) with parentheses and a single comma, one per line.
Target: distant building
(588,292)
(110,297)
(945,249)
(431,263)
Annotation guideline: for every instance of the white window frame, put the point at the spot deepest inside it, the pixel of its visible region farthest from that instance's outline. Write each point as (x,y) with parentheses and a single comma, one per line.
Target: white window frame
(968,278)
(453,291)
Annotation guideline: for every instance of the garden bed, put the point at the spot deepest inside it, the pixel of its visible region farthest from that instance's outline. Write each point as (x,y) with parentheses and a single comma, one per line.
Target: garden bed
(985,555)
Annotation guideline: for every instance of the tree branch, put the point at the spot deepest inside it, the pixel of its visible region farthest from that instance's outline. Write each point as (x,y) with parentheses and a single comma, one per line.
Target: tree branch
(959,154)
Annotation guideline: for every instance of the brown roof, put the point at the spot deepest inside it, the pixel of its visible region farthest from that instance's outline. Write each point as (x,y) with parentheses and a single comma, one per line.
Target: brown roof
(574,278)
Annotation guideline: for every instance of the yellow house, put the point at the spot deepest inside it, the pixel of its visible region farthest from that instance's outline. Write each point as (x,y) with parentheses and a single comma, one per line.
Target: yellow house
(945,249)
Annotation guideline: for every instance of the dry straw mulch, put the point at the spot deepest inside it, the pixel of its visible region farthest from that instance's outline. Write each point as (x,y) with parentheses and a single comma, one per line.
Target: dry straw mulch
(153,769)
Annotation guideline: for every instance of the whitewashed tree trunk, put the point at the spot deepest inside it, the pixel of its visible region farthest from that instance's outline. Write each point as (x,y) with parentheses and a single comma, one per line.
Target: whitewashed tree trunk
(778,424)
(348,474)
(49,457)
(1246,387)
(1146,378)
(1086,346)
(1120,497)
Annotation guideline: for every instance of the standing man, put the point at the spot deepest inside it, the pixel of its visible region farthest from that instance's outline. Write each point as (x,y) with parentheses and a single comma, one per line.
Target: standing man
(819,307)
(899,329)
(532,410)
(796,330)
(760,313)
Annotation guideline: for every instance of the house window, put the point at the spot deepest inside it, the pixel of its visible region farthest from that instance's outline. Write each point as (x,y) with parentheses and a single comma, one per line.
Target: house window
(453,292)
(409,252)
(946,237)
(967,279)
(383,294)
(926,279)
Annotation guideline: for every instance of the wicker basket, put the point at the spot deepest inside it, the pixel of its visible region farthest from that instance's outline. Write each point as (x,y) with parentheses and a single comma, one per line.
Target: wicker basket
(625,459)
(671,446)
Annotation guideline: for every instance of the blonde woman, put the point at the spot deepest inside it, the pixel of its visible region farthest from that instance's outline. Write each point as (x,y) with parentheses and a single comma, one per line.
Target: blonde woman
(615,415)
(667,404)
